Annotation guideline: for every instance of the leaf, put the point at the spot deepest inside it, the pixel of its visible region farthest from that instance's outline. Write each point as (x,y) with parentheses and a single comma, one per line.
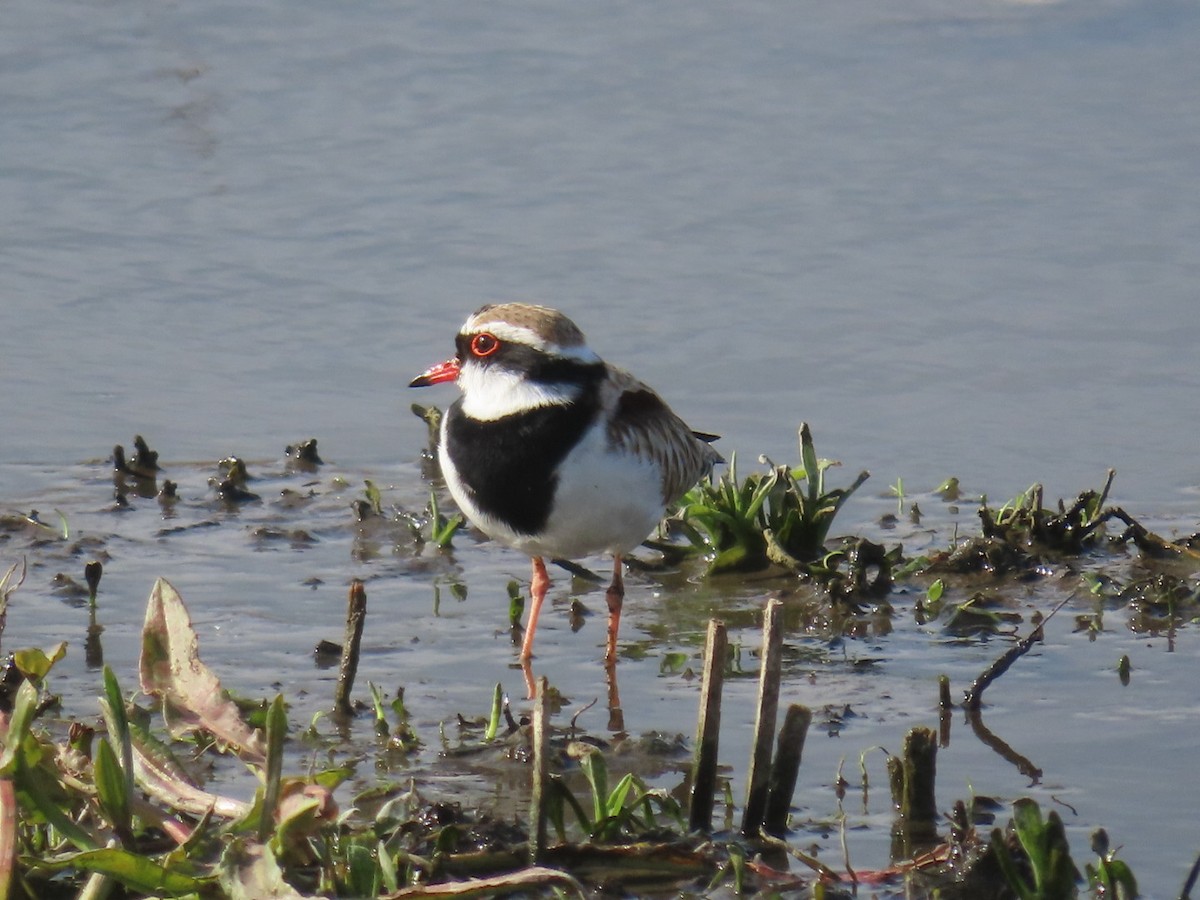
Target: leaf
(387,868)
(110,786)
(596,772)
(493,725)
(934,594)
(616,799)
(556,810)
(115,719)
(1120,874)
(171,669)
(19,721)
(374,497)
(35,663)
(41,795)
(1008,869)
(249,871)
(812,466)
(363,877)
(276,734)
(1046,845)
(1027,820)
(303,810)
(160,776)
(137,872)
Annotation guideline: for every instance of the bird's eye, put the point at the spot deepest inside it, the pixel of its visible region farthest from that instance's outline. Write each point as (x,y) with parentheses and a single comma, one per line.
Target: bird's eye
(484,344)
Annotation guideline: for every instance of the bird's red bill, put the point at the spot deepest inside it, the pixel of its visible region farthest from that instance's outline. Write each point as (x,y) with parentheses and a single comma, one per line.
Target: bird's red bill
(443,371)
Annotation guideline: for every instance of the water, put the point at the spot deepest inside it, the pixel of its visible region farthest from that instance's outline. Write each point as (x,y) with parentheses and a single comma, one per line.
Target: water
(957,239)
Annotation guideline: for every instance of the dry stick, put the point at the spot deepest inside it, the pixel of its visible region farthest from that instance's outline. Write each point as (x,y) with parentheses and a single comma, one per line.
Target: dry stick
(785,771)
(764,723)
(708,728)
(356,616)
(537,799)
(973,697)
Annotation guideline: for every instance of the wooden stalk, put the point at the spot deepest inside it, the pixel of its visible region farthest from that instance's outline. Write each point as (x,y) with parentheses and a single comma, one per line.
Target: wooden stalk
(912,779)
(786,769)
(764,724)
(356,616)
(708,728)
(537,798)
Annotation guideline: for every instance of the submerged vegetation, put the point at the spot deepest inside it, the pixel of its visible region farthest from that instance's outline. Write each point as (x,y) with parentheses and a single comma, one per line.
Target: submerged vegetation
(120,801)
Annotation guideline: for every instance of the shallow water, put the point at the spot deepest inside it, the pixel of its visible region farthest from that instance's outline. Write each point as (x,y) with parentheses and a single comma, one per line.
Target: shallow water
(266,580)
(958,239)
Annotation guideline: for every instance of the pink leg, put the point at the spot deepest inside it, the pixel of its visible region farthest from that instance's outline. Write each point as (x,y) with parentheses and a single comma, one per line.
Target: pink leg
(615,595)
(539,583)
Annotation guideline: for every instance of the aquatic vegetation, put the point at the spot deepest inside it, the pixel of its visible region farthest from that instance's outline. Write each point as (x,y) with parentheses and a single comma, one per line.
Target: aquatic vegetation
(1045,849)
(1109,876)
(442,528)
(119,799)
(432,417)
(782,516)
(114,806)
(627,809)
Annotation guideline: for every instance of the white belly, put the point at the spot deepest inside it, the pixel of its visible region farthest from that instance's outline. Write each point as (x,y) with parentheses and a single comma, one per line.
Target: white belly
(605,502)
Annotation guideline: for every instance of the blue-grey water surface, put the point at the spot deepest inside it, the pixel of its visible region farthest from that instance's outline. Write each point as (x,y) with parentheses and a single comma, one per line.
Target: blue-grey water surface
(956,238)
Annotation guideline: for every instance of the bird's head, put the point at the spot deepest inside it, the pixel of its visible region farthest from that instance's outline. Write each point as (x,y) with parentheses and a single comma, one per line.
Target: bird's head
(513,357)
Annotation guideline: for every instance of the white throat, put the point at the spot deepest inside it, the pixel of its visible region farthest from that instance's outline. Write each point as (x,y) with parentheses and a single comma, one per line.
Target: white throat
(493,393)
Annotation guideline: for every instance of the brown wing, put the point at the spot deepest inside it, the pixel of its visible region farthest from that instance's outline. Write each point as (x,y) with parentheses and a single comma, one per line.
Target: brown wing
(642,424)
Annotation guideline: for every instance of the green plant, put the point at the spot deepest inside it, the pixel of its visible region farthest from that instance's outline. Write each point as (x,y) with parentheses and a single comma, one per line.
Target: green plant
(373,497)
(1044,843)
(780,516)
(723,517)
(516,603)
(441,528)
(1109,876)
(628,808)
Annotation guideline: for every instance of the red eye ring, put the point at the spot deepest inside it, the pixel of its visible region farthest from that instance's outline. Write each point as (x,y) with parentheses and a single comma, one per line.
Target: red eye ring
(484,344)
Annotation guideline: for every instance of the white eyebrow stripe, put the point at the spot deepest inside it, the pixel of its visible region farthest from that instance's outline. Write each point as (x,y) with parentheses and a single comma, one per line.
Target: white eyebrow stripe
(518,334)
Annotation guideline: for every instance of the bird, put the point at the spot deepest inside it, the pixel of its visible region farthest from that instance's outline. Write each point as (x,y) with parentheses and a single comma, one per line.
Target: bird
(554,452)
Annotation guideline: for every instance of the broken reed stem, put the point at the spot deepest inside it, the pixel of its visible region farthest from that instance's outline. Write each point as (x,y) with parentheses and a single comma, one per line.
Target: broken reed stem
(913,776)
(708,728)
(786,769)
(537,798)
(356,616)
(764,723)
(945,704)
